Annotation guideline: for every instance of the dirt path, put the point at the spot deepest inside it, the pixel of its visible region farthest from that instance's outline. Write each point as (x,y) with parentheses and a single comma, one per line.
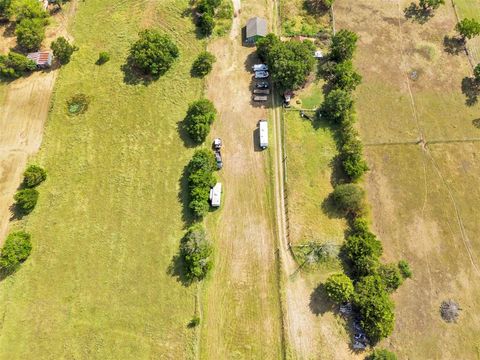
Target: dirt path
(23,112)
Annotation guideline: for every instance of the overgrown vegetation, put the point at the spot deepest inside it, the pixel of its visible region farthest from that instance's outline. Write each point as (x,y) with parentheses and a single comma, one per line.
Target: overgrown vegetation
(30,33)
(103,57)
(200,179)
(14,65)
(196,252)
(200,116)
(210,10)
(16,250)
(339,288)
(381,354)
(153,53)
(77,104)
(289,62)
(203,64)
(34,175)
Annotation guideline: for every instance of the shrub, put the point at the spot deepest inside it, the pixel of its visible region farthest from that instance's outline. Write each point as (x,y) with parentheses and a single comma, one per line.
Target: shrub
(404,269)
(200,180)
(381,354)
(153,53)
(339,288)
(30,33)
(363,250)
(16,250)
(345,77)
(391,276)
(15,65)
(103,57)
(338,104)
(63,50)
(344,44)
(200,115)
(77,104)
(194,322)
(26,200)
(203,64)
(206,24)
(468,28)
(375,308)
(349,198)
(34,175)
(196,252)
(352,158)
(26,9)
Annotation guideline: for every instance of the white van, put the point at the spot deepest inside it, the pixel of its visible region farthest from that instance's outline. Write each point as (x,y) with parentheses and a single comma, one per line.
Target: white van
(263,132)
(216,195)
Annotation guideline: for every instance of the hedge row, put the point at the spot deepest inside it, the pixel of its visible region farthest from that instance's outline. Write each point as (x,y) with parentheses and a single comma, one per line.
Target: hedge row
(200,180)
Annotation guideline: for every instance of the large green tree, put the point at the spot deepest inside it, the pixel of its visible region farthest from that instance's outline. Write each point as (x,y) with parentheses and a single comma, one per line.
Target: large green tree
(203,64)
(349,198)
(34,175)
(339,288)
(345,77)
(200,116)
(26,199)
(14,65)
(63,50)
(338,104)
(200,180)
(363,250)
(26,9)
(344,44)
(153,53)
(196,252)
(30,33)
(16,250)
(468,28)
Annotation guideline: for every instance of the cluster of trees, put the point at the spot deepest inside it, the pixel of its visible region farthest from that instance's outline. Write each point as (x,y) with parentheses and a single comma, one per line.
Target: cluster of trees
(200,116)
(153,53)
(16,250)
(201,178)
(338,106)
(289,62)
(196,252)
(26,198)
(203,64)
(206,20)
(14,65)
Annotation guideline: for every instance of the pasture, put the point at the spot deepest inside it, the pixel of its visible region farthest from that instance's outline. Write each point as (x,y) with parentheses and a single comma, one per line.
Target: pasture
(110,215)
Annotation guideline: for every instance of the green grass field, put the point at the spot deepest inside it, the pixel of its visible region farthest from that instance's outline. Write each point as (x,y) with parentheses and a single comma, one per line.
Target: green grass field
(110,215)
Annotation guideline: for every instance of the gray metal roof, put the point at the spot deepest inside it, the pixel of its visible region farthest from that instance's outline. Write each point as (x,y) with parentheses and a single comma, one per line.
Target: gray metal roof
(256,26)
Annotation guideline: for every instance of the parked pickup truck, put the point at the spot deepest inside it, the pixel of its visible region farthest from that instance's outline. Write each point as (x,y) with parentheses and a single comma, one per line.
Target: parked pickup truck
(261,91)
(218,159)
(260,67)
(260,98)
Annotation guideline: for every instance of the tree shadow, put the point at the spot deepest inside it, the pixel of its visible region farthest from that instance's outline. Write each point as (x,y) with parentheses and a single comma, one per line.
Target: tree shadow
(471,90)
(453,45)
(184,136)
(315,7)
(476,123)
(319,303)
(176,269)
(133,76)
(418,13)
(184,197)
(330,209)
(337,176)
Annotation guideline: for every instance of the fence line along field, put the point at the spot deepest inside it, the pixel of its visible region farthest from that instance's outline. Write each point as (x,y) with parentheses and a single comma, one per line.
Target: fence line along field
(424,197)
(110,216)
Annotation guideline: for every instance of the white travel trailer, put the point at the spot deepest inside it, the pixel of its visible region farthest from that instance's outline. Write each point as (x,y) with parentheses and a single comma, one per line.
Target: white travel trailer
(263,133)
(216,195)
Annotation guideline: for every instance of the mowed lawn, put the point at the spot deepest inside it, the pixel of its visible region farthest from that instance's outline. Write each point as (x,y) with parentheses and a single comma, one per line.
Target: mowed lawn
(110,216)
(311,152)
(423,198)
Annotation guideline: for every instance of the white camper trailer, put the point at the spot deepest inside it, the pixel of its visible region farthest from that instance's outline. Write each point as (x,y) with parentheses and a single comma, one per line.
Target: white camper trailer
(216,195)
(263,132)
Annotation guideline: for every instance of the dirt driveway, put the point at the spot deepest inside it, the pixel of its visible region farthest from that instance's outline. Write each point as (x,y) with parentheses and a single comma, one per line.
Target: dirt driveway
(23,112)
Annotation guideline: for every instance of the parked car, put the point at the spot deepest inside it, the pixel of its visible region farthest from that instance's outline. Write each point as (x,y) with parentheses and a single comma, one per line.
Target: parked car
(260,97)
(218,159)
(217,143)
(260,67)
(262,85)
(261,74)
(261,91)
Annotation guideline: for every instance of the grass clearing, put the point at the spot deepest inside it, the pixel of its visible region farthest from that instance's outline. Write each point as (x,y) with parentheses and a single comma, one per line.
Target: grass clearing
(110,216)
(298,19)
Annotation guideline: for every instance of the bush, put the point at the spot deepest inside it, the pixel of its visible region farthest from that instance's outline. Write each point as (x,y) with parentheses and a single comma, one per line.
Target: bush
(391,277)
(63,50)
(194,322)
(404,269)
(196,252)
(338,104)
(14,65)
(34,175)
(352,158)
(468,28)
(26,200)
(206,24)
(103,57)
(200,180)
(16,250)
(344,44)
(200,115)
(4,7)
(153,53)
(345,77)
(77,104)
(381,354)
(349,198)
(26,9)
(30,33)
(339,288)
(203,64)
(375,308)
(363,250)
